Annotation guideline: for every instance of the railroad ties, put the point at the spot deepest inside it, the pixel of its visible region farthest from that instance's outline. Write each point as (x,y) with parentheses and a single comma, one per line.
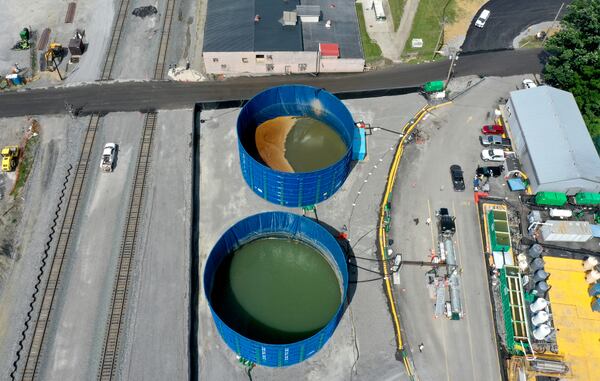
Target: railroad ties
(108,363)
(49,291)
(33,355)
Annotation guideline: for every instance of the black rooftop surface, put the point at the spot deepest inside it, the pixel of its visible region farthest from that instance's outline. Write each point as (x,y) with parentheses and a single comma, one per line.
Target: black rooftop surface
(344,29)
(230,26)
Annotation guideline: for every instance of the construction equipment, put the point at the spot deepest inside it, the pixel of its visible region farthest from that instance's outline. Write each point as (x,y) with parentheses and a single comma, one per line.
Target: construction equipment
(54,52)
(23,44)
(10,154)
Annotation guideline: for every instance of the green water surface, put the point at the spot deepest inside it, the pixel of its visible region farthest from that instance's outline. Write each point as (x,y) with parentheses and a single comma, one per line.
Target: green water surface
(276,290)
(312,145)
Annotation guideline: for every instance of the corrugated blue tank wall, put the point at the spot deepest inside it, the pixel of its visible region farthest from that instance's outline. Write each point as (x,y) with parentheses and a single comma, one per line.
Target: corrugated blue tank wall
(294,226)
(293,189)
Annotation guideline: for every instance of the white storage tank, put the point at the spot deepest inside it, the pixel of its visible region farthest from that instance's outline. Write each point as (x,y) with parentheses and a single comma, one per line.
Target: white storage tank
(592,276)
(538,305)
(541,332)
(540,317)
(566,231)
(590,263)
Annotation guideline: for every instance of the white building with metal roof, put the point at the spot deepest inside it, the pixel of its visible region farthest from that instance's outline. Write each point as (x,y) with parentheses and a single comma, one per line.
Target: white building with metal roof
(281,37)
(552,142)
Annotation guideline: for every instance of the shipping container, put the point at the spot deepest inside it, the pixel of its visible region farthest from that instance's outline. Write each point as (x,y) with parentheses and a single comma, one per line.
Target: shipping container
(551,198)
(586,198)
(566,231)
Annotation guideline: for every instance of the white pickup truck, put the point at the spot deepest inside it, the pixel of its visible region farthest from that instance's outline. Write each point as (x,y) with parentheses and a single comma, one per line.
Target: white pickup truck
(108,157)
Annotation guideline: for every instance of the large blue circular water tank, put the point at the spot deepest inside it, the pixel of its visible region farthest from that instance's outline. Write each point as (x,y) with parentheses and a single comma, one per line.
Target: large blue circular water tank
(284,188)
(267,225)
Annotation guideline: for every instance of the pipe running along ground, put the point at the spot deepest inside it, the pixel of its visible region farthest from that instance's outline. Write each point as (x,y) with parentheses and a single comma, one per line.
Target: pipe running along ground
(391,179)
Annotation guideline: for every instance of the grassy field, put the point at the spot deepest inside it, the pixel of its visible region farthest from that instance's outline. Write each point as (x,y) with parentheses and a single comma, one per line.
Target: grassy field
(25,165)
(397,8)
(371,50)
(427,26)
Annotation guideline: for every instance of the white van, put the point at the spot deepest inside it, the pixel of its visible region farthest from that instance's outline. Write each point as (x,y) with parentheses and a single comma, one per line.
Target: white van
(485,14)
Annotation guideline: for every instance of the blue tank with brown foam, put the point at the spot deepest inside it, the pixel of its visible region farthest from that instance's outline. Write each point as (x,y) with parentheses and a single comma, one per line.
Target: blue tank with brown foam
(286,188)
(271,224)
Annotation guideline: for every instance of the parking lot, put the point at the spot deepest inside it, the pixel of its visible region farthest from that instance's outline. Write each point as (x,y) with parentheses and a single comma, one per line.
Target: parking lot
(462,349)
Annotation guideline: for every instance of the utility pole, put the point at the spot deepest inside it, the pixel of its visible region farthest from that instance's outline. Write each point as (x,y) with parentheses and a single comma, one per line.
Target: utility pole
(454,54)
(553,21)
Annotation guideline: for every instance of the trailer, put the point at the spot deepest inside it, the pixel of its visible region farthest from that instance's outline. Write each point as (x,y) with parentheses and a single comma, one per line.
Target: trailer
(377,6)
(566,231)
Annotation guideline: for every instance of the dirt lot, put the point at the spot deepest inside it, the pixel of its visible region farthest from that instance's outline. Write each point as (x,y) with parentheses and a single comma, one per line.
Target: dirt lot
(465,11)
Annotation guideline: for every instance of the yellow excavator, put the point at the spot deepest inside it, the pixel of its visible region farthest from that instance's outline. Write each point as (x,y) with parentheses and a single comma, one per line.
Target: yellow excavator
(10,154)
(54,53)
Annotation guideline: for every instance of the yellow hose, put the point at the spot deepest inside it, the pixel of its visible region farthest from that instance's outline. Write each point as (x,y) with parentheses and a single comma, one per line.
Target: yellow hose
(391,179)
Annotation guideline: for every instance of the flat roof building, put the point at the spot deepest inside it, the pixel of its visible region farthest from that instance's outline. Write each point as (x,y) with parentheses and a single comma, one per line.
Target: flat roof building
(552,142)
(280,37)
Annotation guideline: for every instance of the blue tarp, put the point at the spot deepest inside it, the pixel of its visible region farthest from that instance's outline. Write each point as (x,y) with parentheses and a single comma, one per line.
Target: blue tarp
(516,184)
(359,146)
(293,189)
(595,230)
(260,225)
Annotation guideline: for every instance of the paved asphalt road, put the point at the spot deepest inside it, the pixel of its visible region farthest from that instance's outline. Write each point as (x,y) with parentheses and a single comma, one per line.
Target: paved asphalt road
(508,18)
(139,96)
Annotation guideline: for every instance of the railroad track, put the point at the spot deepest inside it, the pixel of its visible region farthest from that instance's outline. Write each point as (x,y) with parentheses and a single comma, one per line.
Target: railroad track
(36,344)
(109,364)
(114,41)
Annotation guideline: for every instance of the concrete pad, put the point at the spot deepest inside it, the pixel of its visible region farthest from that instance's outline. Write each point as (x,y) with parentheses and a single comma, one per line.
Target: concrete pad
(363,346)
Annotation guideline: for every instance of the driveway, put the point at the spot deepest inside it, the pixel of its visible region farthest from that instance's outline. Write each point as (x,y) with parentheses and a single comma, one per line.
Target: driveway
(508,18)
(462,349)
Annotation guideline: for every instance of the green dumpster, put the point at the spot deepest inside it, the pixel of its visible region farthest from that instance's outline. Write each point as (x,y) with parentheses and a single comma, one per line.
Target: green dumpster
(433,86)
(551,198)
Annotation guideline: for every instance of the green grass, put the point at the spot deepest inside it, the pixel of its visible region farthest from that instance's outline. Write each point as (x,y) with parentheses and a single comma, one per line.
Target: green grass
(530,42)
(397,8)
(25,165)
(427,25)
(371,50)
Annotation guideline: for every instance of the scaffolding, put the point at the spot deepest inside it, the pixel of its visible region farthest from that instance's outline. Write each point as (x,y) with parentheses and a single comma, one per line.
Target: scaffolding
(515,313)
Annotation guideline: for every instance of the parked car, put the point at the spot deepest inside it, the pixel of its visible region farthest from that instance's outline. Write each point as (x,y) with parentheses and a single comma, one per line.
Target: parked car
(492,129)
(458,181)
(483,17)
(490,170)
(528,84)
(494,140)
(492,155)
(108,157)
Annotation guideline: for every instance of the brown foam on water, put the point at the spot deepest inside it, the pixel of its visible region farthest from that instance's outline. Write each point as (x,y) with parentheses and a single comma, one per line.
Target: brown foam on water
(270,139)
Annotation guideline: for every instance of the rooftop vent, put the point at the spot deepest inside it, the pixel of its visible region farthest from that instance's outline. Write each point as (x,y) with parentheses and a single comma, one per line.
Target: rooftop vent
(289,18)
(309,13)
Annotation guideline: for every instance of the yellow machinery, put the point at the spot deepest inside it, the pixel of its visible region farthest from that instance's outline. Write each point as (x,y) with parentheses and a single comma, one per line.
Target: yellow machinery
(54,52)
(10,154)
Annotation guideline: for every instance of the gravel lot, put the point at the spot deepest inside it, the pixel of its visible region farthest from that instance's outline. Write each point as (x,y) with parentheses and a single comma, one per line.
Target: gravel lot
(76,331)
(157,327)
(40,197)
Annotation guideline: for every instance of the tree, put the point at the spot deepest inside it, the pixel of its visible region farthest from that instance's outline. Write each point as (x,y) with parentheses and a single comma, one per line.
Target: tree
(574,60)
